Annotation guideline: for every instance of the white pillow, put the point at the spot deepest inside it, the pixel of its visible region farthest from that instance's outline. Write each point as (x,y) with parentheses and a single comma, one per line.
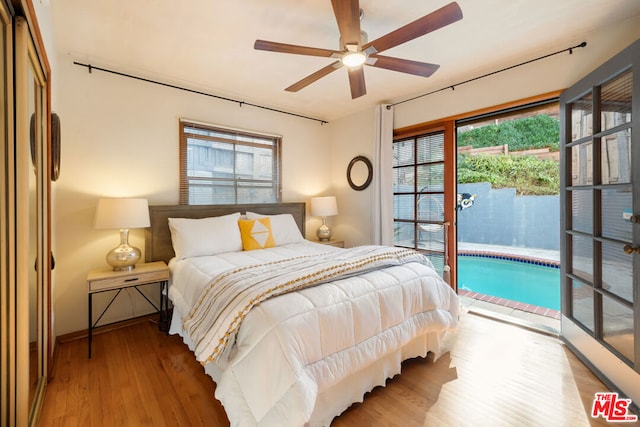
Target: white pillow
(283,226)
(205,236)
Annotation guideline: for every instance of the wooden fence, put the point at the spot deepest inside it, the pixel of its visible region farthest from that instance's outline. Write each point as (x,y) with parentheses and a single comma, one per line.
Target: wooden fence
(541,153)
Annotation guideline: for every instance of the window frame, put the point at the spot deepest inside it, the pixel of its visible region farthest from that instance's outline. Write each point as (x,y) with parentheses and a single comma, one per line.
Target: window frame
(184,185)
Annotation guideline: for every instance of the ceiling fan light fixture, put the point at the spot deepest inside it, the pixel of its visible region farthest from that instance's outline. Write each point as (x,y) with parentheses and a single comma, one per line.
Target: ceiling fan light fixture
(354,59)
(353,53)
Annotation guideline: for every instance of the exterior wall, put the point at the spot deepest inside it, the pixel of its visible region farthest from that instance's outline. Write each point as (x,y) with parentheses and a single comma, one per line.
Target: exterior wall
(500,217)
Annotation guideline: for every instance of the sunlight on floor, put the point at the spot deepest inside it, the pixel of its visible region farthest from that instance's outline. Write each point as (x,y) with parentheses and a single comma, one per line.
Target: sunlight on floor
(514,377)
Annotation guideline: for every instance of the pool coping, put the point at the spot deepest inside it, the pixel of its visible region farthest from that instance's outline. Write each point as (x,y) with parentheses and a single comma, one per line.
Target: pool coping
(530,308)
(511,257)
(516,305)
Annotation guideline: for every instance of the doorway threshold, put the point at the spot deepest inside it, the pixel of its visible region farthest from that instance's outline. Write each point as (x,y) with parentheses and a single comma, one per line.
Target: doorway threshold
(525,319)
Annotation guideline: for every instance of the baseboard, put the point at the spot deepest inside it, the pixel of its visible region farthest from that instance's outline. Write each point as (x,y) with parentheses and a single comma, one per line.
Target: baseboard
(52,359)
(61,339)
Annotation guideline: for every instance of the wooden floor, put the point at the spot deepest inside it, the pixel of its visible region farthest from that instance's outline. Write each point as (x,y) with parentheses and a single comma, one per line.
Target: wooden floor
(494,374)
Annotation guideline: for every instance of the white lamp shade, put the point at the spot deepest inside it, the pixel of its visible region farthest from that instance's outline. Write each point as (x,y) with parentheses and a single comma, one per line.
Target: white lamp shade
(122,213)
(324,206)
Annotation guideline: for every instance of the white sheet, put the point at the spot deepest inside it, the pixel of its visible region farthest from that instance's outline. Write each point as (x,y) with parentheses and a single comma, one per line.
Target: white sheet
(303,357)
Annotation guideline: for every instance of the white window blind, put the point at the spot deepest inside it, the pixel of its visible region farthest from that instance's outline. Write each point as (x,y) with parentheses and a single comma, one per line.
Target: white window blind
(227,166)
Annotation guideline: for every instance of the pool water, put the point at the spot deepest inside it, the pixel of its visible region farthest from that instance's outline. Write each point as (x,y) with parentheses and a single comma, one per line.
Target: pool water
(510,279)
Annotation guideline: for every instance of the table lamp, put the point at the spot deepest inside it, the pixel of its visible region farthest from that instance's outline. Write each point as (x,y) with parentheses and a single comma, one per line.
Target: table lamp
(122,214)
(324,207)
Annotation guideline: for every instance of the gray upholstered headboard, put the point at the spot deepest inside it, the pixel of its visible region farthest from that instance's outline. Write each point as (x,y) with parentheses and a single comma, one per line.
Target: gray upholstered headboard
(158,237)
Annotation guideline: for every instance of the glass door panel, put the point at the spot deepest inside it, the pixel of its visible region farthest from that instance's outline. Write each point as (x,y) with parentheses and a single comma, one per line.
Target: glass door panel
(617,271)
(582,297)
(615,98)
(617,327)
(601,220)
(419,193)
(581,157)
(616,213)
(582,117)
(404,152)
(616,157)
(430,149)
(403,207)
(582,261)
(431,177)
(582,212)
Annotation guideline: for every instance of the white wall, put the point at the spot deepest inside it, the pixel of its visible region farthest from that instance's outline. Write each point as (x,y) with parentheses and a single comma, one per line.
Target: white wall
(354,135)
(120,139)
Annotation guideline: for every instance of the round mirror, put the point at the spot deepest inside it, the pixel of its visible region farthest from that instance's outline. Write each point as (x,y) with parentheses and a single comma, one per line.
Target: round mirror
(359,173)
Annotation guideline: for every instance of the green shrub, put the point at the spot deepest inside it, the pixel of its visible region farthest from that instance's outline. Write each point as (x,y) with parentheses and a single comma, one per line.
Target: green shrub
(541,131)
(527,174)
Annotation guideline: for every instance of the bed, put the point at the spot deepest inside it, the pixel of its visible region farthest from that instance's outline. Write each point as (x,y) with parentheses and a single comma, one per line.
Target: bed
(292,331)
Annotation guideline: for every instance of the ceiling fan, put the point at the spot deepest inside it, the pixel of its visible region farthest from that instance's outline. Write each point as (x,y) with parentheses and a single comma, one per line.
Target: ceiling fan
(357,52)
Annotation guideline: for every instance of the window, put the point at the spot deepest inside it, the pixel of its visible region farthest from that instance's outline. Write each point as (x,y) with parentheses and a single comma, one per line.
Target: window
(227,166)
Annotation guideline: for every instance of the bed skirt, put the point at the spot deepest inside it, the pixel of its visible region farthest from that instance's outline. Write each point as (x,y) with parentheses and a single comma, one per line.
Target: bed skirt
(334,400)
(338,398)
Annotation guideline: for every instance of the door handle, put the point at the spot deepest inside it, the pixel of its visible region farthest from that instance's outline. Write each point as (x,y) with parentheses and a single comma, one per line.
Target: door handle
(630,249)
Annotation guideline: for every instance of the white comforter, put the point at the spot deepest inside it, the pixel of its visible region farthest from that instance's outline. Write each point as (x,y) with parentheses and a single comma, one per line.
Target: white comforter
(303,357)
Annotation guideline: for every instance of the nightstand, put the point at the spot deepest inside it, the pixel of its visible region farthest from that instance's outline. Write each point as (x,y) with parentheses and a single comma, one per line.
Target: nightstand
(105,280)
(336,243)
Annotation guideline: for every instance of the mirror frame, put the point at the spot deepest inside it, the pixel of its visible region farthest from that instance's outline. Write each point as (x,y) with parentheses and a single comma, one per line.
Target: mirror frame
(7,216)
(369,166)
(55,148)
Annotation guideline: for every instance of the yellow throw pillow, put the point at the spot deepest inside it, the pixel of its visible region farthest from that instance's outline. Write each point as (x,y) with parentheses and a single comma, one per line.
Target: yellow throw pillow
(256,233)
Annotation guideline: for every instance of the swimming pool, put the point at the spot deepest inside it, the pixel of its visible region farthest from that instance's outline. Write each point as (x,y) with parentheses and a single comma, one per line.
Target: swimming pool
(511,279)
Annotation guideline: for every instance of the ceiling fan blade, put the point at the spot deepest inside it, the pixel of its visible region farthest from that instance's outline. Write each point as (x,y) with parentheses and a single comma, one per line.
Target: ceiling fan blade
(347,14)
(437,19)
(408,66)
(294,49)
(313,77)
(356,82)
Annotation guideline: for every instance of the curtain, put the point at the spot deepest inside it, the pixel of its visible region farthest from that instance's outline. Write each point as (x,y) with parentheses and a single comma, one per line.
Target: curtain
(383,178)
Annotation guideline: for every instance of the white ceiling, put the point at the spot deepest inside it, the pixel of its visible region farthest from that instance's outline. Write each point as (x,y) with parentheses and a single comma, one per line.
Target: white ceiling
(208,44)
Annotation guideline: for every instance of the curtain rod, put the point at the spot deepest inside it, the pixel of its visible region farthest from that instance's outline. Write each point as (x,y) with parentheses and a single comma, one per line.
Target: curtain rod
(240,103)
(453,87)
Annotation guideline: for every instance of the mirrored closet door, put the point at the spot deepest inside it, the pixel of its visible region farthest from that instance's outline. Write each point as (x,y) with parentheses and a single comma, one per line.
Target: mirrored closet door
(33,256)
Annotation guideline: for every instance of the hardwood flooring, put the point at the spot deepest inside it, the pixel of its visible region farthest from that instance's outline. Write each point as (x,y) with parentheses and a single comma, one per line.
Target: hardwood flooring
(493,374)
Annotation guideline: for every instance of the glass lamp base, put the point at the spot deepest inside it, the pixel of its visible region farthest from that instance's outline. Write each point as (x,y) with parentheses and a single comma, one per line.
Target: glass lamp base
(324,233)
(123,257)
